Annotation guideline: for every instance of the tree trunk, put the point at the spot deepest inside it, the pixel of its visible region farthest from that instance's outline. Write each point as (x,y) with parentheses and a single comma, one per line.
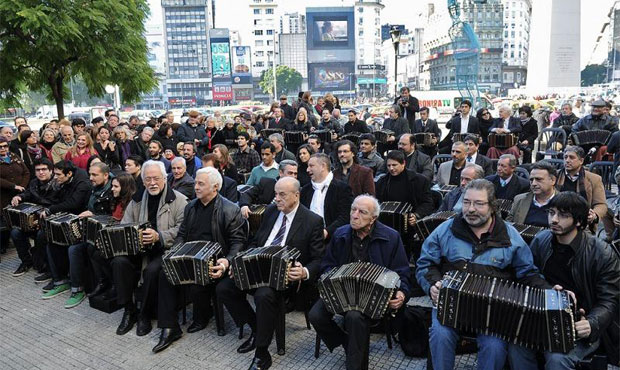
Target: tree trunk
(56,86)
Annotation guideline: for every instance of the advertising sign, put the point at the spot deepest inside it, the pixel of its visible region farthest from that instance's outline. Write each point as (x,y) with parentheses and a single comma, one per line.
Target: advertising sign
(242,73)
(220,59)
(222,92)
(336,76)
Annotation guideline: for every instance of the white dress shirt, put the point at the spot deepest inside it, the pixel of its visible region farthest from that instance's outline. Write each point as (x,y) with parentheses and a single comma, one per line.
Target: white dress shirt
(464,123)
(473,158)
(318,197)
(276,227)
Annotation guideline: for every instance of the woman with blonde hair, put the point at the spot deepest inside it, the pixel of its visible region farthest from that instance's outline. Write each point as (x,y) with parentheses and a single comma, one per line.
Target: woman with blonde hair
(302,122)
(123,137)
(81,151)
(226,161)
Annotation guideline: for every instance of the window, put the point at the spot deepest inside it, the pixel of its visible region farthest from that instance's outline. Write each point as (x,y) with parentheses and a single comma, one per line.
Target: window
(269,11)
(258,43)
(260,64)
(269,32)
(258,32)
(256,11)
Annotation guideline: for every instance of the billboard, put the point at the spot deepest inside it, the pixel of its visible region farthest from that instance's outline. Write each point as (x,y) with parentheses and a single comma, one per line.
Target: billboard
(331,76)
(220,58)
(330,28)
(222,92)
(242,73)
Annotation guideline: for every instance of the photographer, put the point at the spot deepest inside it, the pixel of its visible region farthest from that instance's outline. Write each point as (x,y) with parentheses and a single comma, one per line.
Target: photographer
(409,106)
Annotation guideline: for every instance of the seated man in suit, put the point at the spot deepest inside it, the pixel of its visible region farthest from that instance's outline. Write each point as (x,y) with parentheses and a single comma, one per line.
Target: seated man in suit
(472,144)
(415,159)
(508,184)
(528,135)
(229,186)
(404,185)
(209,217)
(358,177)
(326,196)
(281,153)
(453,201)
(531,208)
(463,123)
(286,223)
(505,124)
(265,191)
(364,239)
(179,179)
(449,173)
(278,121)
(427,125)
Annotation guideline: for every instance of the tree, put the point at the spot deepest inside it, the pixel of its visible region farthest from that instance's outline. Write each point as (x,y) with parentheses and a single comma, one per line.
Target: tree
(593,74)
(287,78)
(43,43)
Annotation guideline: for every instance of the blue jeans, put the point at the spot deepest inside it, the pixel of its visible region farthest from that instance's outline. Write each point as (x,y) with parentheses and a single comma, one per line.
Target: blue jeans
(442,340)
(78,258)
(525,358)
(35,256)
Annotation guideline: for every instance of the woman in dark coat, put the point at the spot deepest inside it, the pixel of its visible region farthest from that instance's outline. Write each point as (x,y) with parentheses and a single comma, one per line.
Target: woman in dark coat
(486,121)
(166,136)
(107,148)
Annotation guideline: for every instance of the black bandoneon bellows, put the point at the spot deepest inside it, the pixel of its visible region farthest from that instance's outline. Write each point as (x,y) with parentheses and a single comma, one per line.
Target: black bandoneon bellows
(591,137)
(383,135)
(425,226)
(256,216)
(268,131)
(395,215)
(63,228)
(93,224)
(424,138)
(502,141)
(445,189)
(324,135)
(541,319)
(359,286)
(121,239)
(263,267)
(353,137)
(293,137)
(528,232)
(190,262)
(24,216)
(504,206)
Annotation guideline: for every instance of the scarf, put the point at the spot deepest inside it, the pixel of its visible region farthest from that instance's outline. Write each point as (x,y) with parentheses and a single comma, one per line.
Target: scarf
(6,159)
(47,145)
(34,151)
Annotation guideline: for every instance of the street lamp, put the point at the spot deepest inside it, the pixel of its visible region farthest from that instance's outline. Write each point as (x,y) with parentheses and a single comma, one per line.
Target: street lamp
(395,35)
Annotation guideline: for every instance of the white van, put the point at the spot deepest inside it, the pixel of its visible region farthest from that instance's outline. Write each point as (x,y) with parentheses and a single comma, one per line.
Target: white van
(443,103)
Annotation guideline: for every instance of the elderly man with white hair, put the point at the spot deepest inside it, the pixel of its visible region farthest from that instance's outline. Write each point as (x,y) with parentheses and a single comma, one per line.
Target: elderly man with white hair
(179,179)
(209,217)
(162,207)
(363,239)
(505,124)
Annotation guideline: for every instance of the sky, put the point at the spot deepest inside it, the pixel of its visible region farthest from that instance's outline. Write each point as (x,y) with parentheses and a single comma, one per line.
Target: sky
(235,15)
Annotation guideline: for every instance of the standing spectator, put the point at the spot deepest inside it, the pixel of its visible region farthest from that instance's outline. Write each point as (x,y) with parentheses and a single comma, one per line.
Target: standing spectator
(167,138)
(14,174)
(579,109)
(355,124)
(123,141)
(78,125)
(81,151)
(48,139)
(229,133)
(409,106)
(133,166)
(107,149)
(29,150)
(330,102)
(320,103)
(289,112)
(215,136)
(245,158)
(156,153)
(278,121)
(192,162)
(194,133)
(180,180)
(67,140)
(139,146)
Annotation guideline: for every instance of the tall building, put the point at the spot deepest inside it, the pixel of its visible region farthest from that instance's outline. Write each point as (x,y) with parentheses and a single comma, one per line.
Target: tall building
(293,53)
(265,25)
(555,54)
(487,22)
(613,56)
(293,23)
(370,69)
(188,71)
(517,16)
(156,56)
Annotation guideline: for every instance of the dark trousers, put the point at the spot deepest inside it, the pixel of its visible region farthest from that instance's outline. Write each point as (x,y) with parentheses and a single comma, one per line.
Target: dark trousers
(35,256)
(169,301)
(58,258)
(125,273)
(353,338)
(262,321)
(78,261)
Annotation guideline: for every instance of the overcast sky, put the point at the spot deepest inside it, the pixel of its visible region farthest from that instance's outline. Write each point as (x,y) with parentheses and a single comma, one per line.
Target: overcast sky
(235,15)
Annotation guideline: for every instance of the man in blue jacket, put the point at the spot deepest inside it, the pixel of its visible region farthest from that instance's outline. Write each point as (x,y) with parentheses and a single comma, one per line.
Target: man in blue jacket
(363,240)
(480,242)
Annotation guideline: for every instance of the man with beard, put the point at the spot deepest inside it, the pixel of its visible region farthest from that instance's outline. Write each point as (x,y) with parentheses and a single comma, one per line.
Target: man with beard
(156,153)
(449,173)
(480,242)
(354,124)
(531,208)
(453,201)
(415,159)
(67,140)
(192,162)
(358,177)
(576,261)
(329,123)
(179,179)
(162,208)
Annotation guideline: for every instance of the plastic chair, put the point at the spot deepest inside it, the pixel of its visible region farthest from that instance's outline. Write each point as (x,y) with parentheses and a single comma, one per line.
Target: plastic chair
(439,159)
(606,170)
(557,163)
(522,172)
(547,137)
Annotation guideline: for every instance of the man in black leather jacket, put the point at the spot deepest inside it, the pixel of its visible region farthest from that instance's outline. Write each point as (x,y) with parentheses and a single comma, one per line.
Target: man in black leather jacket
(209,217)
(587,266)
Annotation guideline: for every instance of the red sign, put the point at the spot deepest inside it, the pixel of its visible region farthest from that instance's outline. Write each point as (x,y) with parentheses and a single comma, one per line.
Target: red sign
(222,92)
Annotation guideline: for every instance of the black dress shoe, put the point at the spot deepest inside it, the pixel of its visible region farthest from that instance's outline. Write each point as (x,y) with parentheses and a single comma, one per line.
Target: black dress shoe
(248,345)
(109,294)
(99,289)
(196,326)
(127,322)
(260,363)
(144,326)
(166,338)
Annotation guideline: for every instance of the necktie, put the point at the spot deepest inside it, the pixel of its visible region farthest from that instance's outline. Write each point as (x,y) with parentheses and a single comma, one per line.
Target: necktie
(468,159)
(280,235)
(503,182)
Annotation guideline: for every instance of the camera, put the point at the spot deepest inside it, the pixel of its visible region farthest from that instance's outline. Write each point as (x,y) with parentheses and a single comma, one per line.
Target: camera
(404,100)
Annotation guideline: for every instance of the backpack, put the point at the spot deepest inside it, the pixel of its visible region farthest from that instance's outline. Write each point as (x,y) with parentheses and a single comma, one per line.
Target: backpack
(413,334)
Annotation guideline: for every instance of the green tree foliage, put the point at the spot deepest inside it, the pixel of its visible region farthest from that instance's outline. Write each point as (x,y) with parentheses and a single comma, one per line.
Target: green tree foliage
(43,43)
(288,80)
(593,74)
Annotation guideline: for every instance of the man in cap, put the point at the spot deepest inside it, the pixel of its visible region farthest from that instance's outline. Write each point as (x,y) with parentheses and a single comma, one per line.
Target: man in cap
(597,120)
(192,132)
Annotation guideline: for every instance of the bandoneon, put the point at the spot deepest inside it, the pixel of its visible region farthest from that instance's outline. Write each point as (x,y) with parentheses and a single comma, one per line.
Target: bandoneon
(354,137)
(24,216)
(383,135)
(293,137)
(359,286)
(263,267)
(324,135)
(395,215)
(121,239)
(424,138)
(458,137)
(93,224)
(268,131)
(528,232)
(445,189)
(63,228)
(425,226)
(504,205)
(189,263)
(540,319)
(591,137)
(502,141)
(256,216)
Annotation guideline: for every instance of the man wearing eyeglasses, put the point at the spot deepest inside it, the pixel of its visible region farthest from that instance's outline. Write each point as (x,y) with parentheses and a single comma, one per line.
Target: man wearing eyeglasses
(477,241)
